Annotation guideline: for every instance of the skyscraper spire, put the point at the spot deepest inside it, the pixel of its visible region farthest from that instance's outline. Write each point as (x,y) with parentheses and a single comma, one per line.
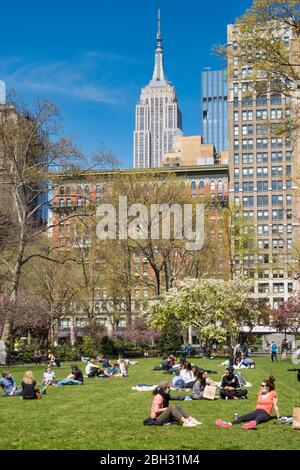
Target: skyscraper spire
(158,74)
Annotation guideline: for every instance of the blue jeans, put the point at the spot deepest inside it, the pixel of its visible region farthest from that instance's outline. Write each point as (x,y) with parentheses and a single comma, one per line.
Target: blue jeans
(70,382)
(17,393)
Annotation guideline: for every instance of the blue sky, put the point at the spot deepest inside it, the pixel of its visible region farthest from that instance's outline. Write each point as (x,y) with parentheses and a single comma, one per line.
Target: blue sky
(92,57)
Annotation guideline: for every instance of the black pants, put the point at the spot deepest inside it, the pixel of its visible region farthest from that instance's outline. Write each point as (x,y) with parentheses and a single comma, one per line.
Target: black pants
(95,372)
(172,413)
(274,356)
(260,416)
(230,394)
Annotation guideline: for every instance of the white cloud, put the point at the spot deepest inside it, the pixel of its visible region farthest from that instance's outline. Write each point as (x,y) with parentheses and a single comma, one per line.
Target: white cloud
(88,78)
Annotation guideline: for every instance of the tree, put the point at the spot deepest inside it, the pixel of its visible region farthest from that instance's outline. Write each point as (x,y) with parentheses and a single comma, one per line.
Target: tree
(140,334)
(27,314)
(287,318)
(31,144)
(237,237)
(213,307)
(54,283)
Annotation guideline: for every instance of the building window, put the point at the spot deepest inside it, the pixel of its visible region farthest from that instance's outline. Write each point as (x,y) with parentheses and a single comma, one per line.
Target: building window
(276,99)
(263,244)
(262,200)
(236,159)
(262,185)
(263,288)
(263,229)
(277,199)
(247,157)
(262,215)
(263,274)
(278,287)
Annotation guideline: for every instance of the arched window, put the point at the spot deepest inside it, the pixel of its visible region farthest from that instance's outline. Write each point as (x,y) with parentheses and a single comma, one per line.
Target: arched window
(193,186)
(201,187)
(87,191)
(79,190)
(98,192)
(220,190)
(212,189)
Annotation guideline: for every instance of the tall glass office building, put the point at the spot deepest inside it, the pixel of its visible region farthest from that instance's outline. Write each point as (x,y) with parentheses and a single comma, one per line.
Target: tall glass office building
(214,113)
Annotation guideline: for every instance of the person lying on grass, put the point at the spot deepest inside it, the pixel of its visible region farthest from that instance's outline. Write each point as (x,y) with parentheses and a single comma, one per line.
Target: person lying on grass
(161,413)
(267,400)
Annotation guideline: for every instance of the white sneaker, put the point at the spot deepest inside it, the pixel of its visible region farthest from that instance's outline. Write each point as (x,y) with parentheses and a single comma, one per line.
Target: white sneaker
(189,424)
(195,421)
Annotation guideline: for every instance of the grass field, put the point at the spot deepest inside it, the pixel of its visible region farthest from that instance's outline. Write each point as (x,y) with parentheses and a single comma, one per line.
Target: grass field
(107,414)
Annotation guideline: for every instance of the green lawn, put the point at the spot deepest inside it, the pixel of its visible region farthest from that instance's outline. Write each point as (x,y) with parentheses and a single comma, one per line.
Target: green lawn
(106,414)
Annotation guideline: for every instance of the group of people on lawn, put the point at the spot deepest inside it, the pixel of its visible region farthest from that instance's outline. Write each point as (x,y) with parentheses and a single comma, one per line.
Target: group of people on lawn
(162,413)
(187,376)
(190,376)
(28,388)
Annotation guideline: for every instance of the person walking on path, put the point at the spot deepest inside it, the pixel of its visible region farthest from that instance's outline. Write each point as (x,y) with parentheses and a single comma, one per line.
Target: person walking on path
(274,352)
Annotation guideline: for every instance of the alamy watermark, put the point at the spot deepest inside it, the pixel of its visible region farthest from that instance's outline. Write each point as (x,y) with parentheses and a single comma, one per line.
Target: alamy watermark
(153,222)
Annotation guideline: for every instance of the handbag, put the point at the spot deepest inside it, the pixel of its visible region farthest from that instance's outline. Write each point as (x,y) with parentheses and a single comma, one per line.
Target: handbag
(210,392)
(296,417)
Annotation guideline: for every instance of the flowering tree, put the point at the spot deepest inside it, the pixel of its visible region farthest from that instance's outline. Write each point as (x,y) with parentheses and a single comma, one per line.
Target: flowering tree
(288,315)
(140,333)
(27,314)
(213,307)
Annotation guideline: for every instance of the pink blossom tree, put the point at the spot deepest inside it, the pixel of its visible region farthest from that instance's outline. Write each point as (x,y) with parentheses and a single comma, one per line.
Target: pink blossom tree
(288,315)
(27,314)
(140,333)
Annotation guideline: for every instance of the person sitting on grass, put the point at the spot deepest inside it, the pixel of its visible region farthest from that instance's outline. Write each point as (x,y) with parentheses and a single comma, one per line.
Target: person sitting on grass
(199,385)
(49,377)
(161,413)
(123,366)
(267,400)
(112,370)
(165,364)
(92,370)
(28,387)
(187,375)
(9,385)
(231,387)
(245,362)
(105,362)
(75,378)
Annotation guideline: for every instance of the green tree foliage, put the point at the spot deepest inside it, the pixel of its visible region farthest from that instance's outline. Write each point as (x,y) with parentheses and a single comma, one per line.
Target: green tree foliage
(213,307)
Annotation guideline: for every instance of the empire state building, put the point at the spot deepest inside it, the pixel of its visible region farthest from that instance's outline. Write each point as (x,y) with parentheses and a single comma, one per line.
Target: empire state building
(157,116)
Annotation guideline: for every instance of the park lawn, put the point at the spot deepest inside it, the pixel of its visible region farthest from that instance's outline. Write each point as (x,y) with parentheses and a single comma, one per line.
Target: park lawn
(107,414)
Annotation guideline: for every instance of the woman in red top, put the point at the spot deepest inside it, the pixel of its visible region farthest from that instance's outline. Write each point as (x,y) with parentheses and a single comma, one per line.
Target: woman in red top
(267,400)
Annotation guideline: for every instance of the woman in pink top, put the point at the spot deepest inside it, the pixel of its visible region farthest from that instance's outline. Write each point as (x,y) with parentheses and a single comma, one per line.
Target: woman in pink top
(161,413)
(267,400)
